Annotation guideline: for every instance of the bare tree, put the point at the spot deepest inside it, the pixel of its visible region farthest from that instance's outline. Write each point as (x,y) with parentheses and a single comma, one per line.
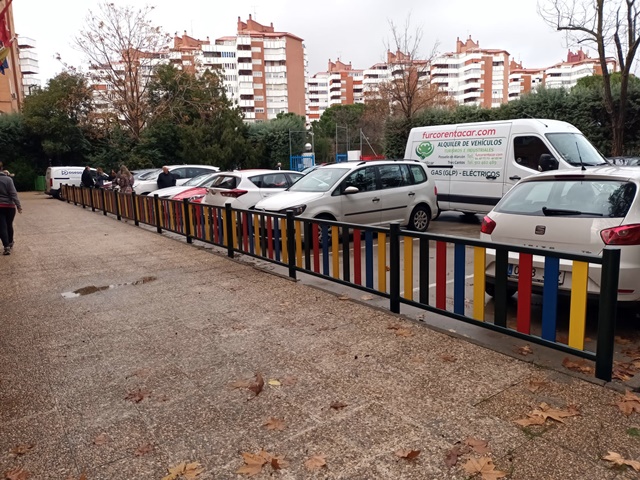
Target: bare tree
(408,90)
(605,25)
(122,46)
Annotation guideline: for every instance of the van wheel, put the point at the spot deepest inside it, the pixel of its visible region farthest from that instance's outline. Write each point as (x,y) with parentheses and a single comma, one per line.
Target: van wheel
(420,218)
(490,290)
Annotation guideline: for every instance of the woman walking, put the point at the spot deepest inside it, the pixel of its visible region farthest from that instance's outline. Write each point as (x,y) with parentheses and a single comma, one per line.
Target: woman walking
(9,202)
(125,180)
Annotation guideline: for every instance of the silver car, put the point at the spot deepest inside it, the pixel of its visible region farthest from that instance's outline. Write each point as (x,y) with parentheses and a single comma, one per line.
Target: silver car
(574,211)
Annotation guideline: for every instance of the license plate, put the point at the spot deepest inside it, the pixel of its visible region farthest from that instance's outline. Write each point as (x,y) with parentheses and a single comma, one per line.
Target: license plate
(537,274)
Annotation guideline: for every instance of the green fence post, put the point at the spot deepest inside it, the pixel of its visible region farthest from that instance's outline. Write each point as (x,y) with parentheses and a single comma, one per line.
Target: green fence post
(607,312)
(394,267)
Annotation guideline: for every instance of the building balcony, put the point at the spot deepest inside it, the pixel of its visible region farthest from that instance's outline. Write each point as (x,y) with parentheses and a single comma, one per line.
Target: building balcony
(29,67)
(26,42)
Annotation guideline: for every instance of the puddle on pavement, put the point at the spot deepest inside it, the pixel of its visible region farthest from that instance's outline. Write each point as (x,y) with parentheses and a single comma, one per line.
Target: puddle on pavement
(93,289)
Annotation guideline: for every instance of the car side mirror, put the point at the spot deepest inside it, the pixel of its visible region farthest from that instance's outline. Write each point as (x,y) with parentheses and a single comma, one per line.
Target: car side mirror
(547,163)
(351,189)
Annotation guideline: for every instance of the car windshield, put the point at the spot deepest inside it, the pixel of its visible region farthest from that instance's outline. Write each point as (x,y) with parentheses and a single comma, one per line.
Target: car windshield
(206,180)
(192,182)
(320,180)
(575,149)
(148,175)
(569,197)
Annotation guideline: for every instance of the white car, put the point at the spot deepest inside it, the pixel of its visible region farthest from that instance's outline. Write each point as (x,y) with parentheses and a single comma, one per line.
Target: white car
(200,181)
(370,193)
(575,211)
(148,184)
(244,188)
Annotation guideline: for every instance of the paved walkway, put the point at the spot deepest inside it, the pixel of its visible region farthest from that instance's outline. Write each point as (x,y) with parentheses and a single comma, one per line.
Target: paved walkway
(125,382)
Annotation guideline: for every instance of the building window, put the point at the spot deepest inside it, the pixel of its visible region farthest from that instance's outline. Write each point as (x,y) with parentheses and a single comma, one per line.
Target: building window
(257,61)
(258,86)
(259,98)
(259,110)
(257,73)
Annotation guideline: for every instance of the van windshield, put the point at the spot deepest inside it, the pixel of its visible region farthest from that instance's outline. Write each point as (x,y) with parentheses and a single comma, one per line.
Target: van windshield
(575,149)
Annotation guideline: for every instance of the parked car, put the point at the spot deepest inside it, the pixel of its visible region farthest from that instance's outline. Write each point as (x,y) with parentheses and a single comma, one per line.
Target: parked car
(170,192)
(573,211)
(369,193)
(245,188)
(148,184)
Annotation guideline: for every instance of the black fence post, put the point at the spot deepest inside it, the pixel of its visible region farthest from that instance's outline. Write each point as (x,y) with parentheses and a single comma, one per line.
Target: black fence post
(93,207)
(607,312)
(156,207)
(82,197)
(394,267)
(229,228)
(117,205)
(104,203)
(291,244)
(500,298)
(187,220)
(134,202)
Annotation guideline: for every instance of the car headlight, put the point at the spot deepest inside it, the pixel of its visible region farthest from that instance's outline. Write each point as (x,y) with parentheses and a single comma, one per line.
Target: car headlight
(196,197)
(297,210)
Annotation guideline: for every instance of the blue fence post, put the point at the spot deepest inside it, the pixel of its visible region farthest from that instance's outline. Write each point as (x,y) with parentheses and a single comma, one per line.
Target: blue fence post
(394,267)
(607,312)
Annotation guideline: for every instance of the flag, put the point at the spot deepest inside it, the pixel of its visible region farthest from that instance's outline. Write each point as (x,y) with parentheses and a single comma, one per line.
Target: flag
(5,33)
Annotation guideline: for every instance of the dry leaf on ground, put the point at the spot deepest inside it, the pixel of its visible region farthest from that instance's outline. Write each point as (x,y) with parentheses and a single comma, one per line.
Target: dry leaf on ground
(617,459)
(101,439)
(366,297)
(137,396)
(404,332)
(629,403)
(451,458)
(539,415)
(525,350)
(344,297)
(407,454)
(632,353)
(274,423)
(252,464)
(577,366)
(184,470)
(257,386)
(485,467)
(536,384)
(624,371)
(448,358)
(143,449)
(22,449)
(17,473)
(338,405)
(274,382)
(622,340)
(316,462)
(481,447)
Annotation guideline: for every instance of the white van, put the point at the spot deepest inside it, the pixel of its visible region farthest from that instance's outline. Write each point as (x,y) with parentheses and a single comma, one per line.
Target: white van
(58,176)
(475,164)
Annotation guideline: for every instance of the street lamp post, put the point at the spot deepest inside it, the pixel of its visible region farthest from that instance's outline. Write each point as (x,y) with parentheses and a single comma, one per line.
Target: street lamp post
(347,146)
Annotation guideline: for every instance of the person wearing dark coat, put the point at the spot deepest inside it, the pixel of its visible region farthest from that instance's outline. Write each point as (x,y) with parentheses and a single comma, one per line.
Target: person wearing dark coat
(166,179)
(87,179)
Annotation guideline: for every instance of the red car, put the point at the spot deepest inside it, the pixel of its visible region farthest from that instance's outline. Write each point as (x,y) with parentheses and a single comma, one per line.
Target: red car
(195,194)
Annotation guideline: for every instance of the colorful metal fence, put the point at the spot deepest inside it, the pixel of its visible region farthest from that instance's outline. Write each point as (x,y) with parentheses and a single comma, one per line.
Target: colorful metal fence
(396,264)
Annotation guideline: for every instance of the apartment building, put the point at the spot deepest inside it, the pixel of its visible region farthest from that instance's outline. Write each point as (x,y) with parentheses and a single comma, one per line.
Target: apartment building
(524,80)
(11,91)
(578,65)
(339,85)
(29,65)
(472,75)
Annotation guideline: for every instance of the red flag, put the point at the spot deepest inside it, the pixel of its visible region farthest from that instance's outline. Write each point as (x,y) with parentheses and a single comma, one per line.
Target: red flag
(5,33)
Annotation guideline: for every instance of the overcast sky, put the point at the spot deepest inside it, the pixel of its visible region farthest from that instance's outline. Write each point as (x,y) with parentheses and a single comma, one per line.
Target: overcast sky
(354,31)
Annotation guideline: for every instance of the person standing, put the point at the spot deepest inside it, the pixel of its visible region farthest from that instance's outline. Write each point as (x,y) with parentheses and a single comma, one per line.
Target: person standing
(9,202)
(166,179)
(125,180)
(99,178)
(87,180)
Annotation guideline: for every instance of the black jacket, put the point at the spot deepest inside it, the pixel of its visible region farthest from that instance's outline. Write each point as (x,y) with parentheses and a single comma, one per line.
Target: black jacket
(87,179)
(166,180)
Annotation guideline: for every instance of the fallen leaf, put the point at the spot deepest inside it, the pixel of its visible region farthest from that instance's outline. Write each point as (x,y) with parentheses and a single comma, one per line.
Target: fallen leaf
(288,381)
(17,473)
(632,353)
(448,358)
(274,382)
(621,340)
(479,446)
(536,384)
(525,350)
(143,449)
(366,297)
(451,458)
(404,332)
(577,366)
(617,459)
(338,405)
(344,297)
(101,439)
(21,449)
(184,470)
(252,464)
(277,463)
(629,403)
(258,385)
(137,396)
(316,462)
(274,423)
(540,414)
(485,467)
(83,476)
(407,454)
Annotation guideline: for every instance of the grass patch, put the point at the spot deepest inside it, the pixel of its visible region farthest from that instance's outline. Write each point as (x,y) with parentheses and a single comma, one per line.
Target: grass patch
(634,432)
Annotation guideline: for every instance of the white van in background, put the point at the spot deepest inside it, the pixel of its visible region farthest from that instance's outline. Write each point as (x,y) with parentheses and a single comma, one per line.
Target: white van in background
(475,164)
(58,176)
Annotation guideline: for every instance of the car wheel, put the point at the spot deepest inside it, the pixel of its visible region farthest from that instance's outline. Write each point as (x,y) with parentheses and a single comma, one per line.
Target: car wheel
(324,216)
(420,218)
(490,290)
